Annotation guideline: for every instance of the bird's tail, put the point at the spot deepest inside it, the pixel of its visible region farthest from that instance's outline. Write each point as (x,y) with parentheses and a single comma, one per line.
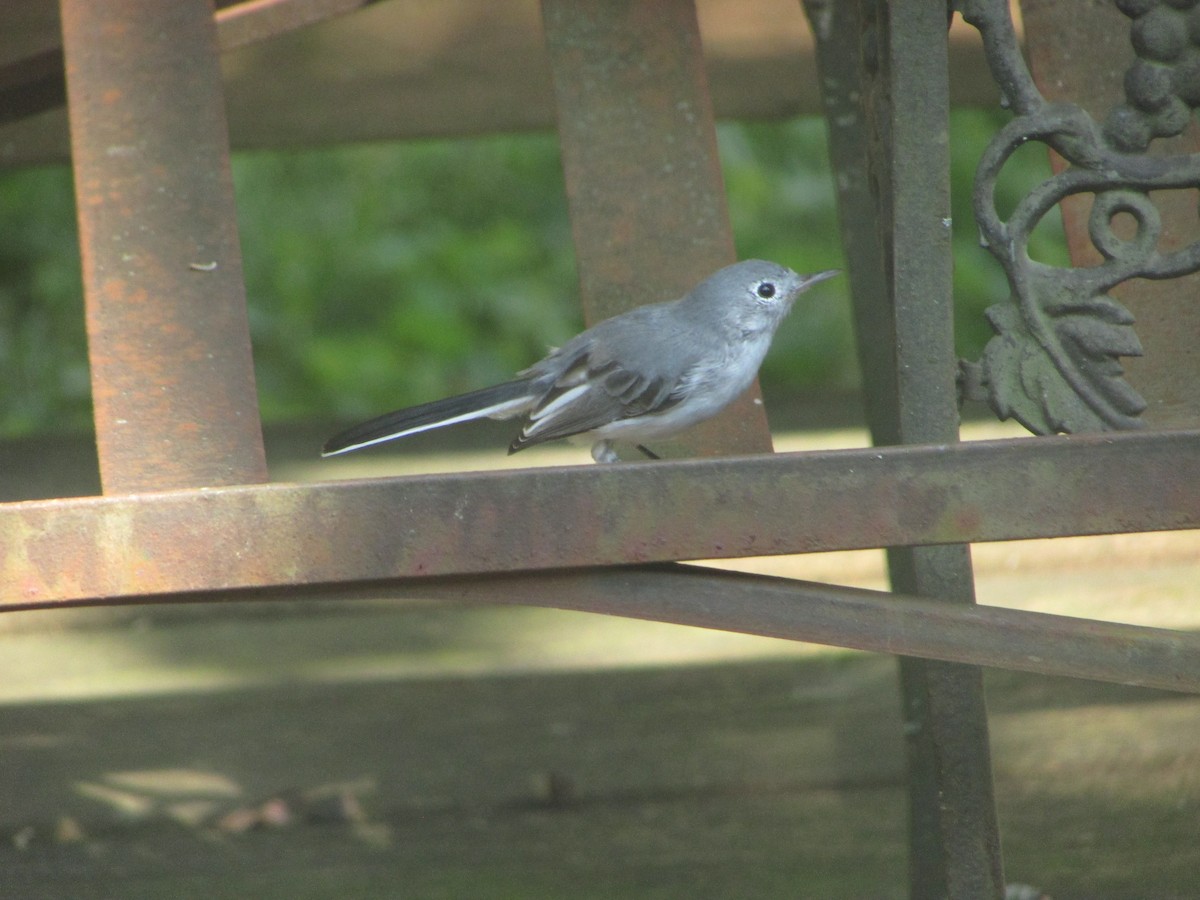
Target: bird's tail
(500,402)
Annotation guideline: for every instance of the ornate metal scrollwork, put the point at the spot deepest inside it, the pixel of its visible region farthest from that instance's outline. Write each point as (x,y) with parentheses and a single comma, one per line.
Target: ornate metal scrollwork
(1054,362)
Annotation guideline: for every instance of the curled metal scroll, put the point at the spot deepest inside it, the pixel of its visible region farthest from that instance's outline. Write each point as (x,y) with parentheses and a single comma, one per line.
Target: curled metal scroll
(1054,362)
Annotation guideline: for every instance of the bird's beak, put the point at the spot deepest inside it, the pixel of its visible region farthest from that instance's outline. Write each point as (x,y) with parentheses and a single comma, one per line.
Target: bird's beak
(807,281)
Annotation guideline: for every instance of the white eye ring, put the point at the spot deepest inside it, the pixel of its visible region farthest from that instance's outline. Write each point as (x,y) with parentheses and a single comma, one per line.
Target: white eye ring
(765,289)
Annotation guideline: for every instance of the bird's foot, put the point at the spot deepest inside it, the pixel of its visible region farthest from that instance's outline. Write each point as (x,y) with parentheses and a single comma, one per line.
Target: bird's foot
(603,452)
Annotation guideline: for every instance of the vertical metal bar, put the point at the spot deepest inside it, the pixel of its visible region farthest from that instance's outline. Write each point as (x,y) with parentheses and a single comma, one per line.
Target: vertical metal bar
(168,338)
(643,178)
(839,32)
(889,60)
(946,717)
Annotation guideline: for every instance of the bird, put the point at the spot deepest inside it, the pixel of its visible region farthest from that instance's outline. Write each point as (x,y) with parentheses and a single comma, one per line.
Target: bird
(641,375)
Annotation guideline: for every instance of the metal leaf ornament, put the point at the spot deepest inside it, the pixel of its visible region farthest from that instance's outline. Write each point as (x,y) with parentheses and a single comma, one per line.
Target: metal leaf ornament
(1054,362)
(1028,374)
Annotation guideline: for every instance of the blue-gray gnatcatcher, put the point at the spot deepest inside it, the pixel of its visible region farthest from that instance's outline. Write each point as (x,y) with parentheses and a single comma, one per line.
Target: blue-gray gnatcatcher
(645,374)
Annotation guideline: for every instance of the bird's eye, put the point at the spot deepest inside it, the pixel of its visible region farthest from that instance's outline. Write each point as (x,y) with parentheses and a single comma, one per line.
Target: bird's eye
(766,290)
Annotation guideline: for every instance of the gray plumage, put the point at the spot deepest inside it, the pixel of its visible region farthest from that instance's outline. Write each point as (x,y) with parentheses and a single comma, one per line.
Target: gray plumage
(642,375)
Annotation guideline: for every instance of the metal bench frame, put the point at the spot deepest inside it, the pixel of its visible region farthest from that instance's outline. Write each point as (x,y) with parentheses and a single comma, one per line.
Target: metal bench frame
(186,514)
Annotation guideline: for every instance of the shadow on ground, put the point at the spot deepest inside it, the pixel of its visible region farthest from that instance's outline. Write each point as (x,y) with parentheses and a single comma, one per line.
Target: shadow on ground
(764,778)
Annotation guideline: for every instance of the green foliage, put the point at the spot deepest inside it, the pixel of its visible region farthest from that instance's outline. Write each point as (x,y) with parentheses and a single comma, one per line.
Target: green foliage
(389,274)
(43,350)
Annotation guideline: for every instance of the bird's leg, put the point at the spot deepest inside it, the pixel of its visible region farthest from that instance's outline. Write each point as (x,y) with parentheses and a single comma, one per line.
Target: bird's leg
(603,452)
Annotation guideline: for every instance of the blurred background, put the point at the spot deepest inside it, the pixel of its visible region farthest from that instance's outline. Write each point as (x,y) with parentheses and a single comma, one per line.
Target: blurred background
(383,274)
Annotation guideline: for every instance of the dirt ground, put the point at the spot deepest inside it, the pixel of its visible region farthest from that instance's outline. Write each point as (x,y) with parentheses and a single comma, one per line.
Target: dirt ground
(387,750)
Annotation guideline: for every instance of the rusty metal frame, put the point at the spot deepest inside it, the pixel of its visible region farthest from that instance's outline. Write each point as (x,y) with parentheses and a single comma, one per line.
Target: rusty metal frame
(878,621)
(36,83)
(168,337)
(100,549)
(183,518)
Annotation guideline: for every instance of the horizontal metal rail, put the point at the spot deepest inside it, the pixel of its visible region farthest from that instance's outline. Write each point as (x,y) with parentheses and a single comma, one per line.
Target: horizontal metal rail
(860,619)
(35,84)
(863,620)
(104,549)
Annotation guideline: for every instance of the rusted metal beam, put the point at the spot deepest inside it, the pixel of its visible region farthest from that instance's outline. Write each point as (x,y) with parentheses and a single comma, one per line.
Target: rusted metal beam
(837,27)
(643,179)
(251,21)
(56,551)
(168,338)
(36,83)
(452,69)
(855,618)
(849,617)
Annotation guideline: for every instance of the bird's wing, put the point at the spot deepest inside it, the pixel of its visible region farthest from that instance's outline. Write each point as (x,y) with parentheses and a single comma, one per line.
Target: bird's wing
(593,389)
